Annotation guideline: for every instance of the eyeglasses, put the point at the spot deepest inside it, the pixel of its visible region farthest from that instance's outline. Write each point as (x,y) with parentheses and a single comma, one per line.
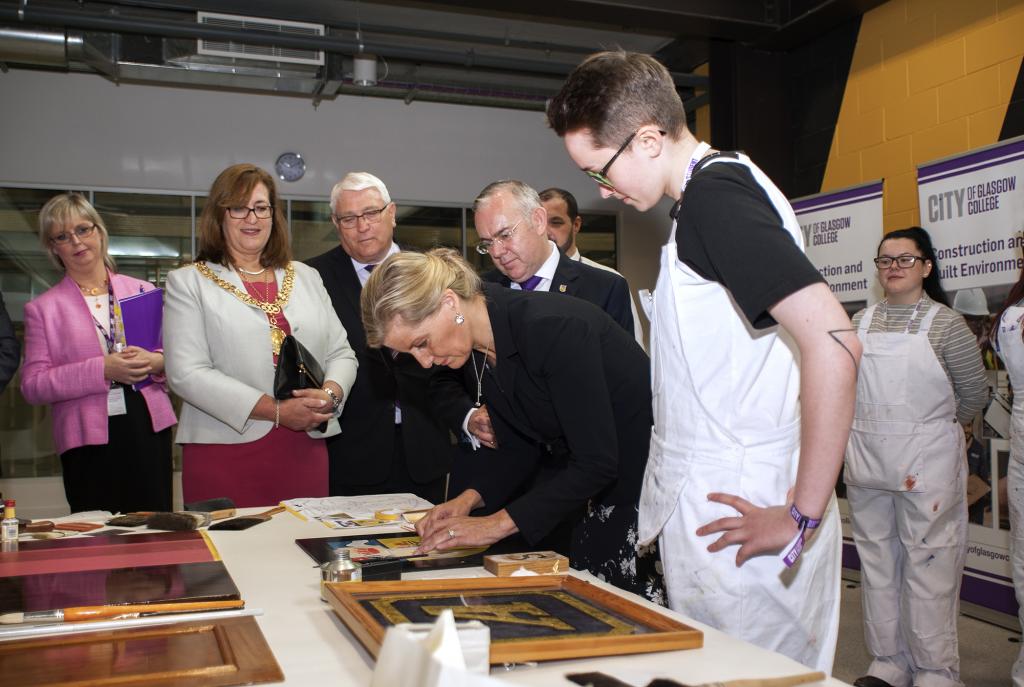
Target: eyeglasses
(80,232)
(602,176)
(371,217)
(501,238)
(261,211)
(884,262)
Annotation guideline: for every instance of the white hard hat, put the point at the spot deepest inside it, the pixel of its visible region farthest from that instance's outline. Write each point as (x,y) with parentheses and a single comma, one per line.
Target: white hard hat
(971,302)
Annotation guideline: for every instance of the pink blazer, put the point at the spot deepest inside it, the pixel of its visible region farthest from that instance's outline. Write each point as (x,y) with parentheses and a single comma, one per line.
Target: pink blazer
(64,365)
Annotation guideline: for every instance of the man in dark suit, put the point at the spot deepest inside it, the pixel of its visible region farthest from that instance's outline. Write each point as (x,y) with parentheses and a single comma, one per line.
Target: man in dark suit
(389,441)
(512,225)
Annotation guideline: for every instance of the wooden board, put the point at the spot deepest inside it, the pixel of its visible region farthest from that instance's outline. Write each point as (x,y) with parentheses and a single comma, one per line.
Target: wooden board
(531,618)
(218,653)
(104,552)
(151,584)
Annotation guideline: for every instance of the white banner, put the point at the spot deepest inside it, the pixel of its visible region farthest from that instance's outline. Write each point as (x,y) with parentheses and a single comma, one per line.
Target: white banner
(973,207)
(841,233)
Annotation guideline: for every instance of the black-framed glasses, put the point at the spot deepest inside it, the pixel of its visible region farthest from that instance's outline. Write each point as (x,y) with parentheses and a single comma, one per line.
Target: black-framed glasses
(501,238)
(371,217)
(260,211)
(602,176)
(80,232)
(884,262)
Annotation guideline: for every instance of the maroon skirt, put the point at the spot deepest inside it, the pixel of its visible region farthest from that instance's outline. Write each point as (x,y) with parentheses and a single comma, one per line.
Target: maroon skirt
(282,465)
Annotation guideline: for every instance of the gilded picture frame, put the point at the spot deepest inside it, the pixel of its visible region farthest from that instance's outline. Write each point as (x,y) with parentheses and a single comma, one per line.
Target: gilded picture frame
(540,618)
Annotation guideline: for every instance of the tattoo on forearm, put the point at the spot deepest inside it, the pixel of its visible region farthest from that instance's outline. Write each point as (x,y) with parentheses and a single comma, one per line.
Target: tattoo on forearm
(833,333)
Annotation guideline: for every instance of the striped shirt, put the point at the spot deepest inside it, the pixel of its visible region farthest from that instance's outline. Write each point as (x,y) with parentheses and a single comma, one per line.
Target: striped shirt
(954,344)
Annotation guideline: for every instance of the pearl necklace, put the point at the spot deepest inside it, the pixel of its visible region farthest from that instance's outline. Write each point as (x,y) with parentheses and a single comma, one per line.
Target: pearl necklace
(250,273)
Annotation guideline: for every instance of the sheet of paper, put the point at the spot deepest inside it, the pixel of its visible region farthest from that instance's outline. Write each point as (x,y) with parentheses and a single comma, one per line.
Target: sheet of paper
(345,512)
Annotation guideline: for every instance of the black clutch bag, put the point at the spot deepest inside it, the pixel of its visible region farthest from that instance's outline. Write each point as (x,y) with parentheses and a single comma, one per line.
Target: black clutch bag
(297,369)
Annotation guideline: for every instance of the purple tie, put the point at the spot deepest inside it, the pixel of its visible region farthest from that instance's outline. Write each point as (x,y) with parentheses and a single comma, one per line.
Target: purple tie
(369,268)
(531,283)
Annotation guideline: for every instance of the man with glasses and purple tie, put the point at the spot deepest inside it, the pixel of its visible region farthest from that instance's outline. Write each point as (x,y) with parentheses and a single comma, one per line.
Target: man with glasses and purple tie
(390,442)
(512,225)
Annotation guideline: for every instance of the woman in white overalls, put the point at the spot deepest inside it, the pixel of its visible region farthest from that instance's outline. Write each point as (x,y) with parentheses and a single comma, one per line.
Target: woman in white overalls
(1009,343)
(921,377)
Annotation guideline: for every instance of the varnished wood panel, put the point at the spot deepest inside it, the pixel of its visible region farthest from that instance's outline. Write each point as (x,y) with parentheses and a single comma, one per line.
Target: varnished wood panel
(219,653)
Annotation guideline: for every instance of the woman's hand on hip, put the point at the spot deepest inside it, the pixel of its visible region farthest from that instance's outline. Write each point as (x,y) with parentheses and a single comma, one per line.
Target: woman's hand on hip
(756,530)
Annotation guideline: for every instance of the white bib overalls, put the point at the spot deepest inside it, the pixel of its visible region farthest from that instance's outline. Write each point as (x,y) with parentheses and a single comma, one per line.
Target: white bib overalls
(906,472)
(1011,350)
(726,418)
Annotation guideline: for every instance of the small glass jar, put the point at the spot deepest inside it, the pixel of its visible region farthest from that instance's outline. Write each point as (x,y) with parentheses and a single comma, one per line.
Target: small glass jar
(341,568)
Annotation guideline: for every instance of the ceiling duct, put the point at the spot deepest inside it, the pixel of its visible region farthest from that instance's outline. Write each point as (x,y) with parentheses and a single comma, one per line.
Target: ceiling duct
(265,53)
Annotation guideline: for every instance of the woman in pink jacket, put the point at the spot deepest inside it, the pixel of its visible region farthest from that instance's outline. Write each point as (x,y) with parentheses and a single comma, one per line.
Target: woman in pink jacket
(114,442)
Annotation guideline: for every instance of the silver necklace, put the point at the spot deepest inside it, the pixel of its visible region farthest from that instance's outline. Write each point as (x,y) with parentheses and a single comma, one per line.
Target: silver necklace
(253,274)
(479,375)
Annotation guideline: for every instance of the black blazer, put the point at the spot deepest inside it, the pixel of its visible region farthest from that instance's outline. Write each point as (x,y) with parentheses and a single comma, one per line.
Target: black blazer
(607,290)
(362,453)
(570,401)
(10,349)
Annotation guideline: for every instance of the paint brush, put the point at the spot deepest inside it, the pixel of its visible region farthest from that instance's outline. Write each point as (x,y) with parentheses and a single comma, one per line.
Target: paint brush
(78,613)
(246,521)
(603,680)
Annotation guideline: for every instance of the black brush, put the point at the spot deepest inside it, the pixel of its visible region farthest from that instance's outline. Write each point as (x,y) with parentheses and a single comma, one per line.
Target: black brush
(247,521)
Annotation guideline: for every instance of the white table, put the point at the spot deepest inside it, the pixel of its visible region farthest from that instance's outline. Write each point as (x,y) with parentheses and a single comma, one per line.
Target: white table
(315,648)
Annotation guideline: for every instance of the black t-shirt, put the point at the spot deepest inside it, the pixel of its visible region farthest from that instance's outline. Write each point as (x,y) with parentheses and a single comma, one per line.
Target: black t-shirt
(730,232)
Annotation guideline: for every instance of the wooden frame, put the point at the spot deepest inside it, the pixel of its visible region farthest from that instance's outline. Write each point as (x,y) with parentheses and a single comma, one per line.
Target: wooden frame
(618,625)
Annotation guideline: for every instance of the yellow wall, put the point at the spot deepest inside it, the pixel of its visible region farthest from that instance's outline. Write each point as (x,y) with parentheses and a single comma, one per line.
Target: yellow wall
(703,114)
(929,79)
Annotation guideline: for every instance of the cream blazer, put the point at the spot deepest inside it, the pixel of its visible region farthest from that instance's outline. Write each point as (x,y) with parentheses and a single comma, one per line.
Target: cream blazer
(217,351)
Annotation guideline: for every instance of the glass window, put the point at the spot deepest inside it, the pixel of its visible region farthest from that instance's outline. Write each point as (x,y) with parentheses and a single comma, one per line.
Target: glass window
(597,239)
(150,234)
(422,227)
(313,232)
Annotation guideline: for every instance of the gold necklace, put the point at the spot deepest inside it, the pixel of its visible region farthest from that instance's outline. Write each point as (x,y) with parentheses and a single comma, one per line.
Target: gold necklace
(272,309)
(93,291)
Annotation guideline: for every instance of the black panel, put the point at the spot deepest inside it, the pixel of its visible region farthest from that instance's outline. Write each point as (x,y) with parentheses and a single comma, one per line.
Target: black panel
(816,81)
(1013,125)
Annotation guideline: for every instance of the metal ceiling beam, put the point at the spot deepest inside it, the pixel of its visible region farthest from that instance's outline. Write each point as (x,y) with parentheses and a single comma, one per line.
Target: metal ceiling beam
(115,23)
(737,20)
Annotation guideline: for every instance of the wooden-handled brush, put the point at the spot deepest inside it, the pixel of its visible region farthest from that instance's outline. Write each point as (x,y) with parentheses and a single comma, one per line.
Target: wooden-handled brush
(78,613)
(246,521)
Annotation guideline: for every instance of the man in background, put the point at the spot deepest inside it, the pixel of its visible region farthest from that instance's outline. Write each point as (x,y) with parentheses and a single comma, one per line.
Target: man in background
(564,223)
(389,441)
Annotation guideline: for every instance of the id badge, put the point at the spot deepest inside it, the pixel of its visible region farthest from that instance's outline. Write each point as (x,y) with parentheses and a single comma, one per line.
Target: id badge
(115,401)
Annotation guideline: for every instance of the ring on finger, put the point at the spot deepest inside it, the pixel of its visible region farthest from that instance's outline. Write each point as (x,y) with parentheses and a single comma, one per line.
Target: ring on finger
(451,533)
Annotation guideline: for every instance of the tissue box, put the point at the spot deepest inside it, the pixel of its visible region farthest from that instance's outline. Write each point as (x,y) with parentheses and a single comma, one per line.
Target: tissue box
(540,562)
(474,637)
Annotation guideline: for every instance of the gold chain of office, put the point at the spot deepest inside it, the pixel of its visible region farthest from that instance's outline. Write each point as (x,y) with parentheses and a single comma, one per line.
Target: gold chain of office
(273,308)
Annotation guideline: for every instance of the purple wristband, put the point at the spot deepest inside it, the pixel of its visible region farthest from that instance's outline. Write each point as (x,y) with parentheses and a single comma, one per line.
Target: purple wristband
(803,523)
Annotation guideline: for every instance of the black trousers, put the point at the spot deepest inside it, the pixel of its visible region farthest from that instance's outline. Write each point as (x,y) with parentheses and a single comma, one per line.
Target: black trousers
(131,472)
(398,482)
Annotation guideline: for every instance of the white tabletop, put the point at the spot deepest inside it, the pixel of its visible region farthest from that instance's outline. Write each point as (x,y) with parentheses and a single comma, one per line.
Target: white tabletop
(314,647)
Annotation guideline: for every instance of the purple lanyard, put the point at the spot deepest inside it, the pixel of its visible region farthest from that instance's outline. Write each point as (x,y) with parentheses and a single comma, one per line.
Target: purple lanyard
(110,337)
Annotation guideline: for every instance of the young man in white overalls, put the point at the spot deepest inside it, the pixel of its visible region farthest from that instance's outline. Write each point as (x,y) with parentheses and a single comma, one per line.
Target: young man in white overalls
(737,304)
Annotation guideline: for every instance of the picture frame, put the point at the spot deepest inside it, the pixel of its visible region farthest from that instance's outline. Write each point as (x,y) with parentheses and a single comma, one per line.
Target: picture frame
(542,618)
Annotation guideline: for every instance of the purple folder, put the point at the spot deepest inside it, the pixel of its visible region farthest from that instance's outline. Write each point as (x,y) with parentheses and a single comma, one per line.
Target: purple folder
(143,317)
